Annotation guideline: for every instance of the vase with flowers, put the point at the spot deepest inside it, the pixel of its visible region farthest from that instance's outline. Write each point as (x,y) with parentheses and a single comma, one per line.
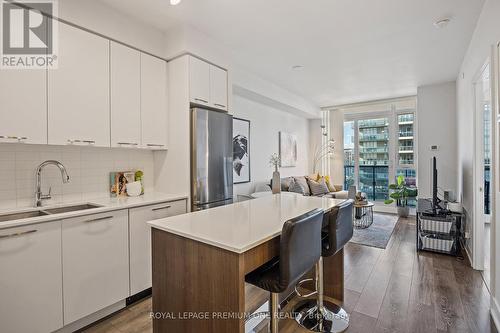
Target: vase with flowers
(275,161)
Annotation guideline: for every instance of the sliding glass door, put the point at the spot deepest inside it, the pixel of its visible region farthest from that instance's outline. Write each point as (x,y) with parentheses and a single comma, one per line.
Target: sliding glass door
(378,147)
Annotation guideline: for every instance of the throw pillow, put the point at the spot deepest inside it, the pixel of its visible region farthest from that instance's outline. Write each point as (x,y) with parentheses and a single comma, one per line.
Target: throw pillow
(319,187)
(295,187)
(314,176)
(303,182)
(285,183)
(331,188)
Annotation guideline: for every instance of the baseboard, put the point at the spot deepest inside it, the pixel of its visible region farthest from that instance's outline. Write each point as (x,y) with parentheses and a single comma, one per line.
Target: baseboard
(495,312)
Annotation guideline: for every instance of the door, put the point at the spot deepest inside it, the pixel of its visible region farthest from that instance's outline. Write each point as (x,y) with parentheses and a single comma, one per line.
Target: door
(154,110)
(31,278)
(211,156)
(199,81)
(23,106)
(140,240)
(218,88)
(78,90)
(125,96)
(95,263)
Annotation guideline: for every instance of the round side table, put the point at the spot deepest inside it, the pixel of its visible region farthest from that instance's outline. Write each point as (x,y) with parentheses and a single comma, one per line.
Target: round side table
(363,215)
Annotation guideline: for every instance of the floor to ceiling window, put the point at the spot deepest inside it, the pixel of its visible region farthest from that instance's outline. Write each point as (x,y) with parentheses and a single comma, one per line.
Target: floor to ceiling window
(379,146)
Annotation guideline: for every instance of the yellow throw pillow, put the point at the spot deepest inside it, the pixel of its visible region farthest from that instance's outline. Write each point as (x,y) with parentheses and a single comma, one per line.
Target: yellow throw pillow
(331,188)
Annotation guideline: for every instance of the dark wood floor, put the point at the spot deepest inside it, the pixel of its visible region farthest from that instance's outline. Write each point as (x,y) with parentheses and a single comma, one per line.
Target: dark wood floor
(391,290)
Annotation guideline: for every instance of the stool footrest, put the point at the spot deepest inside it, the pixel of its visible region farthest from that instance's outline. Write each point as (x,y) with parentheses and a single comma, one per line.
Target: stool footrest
(299,285)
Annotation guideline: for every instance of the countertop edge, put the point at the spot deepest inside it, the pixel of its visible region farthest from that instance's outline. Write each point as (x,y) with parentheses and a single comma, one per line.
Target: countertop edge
(108,205)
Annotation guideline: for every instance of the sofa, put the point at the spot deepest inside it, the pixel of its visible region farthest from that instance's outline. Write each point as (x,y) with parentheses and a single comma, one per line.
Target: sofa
(339,192)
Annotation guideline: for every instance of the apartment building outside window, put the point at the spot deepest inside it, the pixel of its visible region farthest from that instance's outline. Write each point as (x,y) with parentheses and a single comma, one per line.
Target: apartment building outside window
(379,146)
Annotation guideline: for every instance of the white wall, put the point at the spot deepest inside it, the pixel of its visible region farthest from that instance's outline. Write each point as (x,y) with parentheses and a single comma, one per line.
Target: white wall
(265,125)
(88,168)
(486,35)
(436,125)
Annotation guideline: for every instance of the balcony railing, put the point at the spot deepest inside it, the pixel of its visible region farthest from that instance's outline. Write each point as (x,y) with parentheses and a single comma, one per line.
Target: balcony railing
(372,123)
(406,134)
(405,148)
(373,137)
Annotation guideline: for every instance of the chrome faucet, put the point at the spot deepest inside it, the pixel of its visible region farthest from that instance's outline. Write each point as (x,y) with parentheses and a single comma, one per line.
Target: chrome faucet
(39,196)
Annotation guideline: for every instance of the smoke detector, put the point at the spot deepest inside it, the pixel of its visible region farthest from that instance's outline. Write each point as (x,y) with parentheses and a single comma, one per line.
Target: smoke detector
(442,23)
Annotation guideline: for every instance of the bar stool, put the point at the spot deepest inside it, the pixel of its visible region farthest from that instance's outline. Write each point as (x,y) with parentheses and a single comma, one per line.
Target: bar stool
(300,250)
(318,315)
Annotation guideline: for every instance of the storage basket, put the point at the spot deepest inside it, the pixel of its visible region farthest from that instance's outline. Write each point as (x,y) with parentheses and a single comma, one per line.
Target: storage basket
(433,242)
(441,226)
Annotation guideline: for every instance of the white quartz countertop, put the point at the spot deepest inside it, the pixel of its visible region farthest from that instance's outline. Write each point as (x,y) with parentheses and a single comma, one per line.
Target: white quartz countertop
(241,226)
(106,205)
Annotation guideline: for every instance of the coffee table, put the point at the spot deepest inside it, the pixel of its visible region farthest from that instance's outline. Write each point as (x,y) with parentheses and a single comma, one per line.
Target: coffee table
(363,215)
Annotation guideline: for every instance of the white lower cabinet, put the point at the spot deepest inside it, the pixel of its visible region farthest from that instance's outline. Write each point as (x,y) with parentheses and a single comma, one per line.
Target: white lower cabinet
(31,279)
(140,240)
(95,263)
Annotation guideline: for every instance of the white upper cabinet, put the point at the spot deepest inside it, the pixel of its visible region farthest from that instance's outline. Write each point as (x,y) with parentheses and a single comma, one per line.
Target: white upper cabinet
(78,90)
(218,88)
(154,109)
(23,106)
(199,81)
(125,96)
(207,84)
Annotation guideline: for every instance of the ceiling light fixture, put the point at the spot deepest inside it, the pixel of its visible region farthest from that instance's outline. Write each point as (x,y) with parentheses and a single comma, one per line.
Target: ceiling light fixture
(175,2)
(297,67)
(440,24)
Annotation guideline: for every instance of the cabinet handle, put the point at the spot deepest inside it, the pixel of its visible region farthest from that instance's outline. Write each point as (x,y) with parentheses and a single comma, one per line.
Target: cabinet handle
(128,143)
(18,138)
(200,100)
(100,219)
(73,141)
(154,145)
(18,234)
(220,105)
(160,208)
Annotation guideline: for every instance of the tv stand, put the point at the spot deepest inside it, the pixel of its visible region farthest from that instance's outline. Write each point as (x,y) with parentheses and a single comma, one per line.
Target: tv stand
(438,230)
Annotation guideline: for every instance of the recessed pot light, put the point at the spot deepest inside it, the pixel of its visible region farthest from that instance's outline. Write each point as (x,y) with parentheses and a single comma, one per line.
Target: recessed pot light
(175,2)
(443,23)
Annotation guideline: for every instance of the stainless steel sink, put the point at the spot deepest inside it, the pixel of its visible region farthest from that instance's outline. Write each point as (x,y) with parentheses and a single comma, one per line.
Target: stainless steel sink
(67,209)
(22,215)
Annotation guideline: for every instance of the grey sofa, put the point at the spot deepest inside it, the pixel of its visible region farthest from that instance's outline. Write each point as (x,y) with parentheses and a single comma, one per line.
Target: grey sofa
(339,194)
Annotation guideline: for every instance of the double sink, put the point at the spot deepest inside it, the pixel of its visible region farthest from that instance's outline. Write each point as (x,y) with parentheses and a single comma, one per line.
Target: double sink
(43,212)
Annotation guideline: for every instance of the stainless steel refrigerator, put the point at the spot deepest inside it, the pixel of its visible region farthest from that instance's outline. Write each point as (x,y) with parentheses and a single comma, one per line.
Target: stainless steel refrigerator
(211,158)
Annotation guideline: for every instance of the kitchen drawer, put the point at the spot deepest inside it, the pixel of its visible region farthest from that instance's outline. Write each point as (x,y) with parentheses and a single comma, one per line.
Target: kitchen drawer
(140,240)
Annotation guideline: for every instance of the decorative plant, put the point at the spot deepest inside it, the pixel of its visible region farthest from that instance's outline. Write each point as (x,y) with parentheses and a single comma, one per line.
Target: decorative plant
(275,161)
(401,193)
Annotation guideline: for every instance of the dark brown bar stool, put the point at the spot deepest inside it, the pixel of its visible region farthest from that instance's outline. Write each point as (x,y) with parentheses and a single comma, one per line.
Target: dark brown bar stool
(318,315)
(300,250)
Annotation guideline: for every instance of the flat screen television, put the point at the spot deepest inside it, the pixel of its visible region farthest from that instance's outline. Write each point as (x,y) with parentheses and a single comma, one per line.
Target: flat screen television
(435,200)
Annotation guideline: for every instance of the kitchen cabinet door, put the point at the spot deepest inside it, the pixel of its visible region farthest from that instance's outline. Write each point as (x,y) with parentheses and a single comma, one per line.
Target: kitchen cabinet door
(78,90)
(95,263)
(199,81)
(140,240)
(31,278)
(218,88)
(154,109)
(23,106)
(125,96)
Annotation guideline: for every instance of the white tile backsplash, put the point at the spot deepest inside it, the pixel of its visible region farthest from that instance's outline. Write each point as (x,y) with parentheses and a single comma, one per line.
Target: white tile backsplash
(88,168)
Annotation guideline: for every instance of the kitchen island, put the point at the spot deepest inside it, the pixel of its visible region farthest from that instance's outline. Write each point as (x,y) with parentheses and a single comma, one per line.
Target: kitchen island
(200,260)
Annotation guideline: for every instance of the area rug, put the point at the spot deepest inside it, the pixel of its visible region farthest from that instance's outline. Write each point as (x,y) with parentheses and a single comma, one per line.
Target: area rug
(378,234)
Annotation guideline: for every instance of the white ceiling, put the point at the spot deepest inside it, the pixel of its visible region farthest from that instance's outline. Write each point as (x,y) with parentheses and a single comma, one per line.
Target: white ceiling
(351,50)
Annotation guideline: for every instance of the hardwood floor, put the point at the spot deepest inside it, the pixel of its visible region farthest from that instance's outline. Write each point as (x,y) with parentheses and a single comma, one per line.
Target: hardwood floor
(391,290)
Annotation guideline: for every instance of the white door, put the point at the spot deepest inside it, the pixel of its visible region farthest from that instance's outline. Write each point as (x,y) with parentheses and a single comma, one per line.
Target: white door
(140,240)
(154,109)
(31,278)
(23,106)
(125,96)
(95,263)
(199,81)
(79,90)
(218,88)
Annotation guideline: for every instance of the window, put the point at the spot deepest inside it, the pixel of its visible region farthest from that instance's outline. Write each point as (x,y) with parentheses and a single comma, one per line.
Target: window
(379,145)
